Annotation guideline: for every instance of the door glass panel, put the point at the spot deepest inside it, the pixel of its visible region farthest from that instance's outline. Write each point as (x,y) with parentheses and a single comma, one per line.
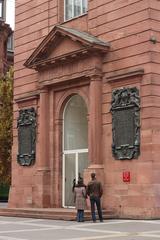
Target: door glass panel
(82,162)
(70,175)
(75,124)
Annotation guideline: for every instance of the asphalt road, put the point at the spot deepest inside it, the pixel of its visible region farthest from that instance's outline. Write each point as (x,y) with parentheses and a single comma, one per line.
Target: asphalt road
(39,229)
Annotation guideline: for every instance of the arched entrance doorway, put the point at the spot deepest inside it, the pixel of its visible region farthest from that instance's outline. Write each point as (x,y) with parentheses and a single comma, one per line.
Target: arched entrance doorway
(75,145)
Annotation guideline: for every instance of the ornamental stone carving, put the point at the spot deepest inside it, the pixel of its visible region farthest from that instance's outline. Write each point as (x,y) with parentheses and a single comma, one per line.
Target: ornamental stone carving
(125,123)
(26,125)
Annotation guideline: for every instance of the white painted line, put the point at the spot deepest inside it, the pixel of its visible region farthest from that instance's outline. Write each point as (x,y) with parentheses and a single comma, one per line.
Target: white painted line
(37,224)
(30,230)
(99,223)
(63,228)
(28,223)
(94,230)
(11,238)
(149,235)
(150,232)
(151,221)
(17,222)
(32,220)
(98,237)
(3,223)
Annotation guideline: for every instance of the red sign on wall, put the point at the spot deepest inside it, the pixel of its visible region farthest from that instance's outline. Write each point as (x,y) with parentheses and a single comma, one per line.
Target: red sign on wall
(126,176)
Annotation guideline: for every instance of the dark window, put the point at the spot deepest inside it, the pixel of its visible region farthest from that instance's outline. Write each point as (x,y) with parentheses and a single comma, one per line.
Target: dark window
(10,43)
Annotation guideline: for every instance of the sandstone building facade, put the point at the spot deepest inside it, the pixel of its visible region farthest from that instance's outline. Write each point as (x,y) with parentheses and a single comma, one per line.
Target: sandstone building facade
(87,98)
(6,58)
(6,55)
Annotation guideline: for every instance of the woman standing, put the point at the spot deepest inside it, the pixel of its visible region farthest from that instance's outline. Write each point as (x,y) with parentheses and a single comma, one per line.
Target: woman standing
(80,199)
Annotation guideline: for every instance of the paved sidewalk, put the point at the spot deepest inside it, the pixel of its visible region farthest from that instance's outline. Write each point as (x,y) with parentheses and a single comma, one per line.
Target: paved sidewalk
(37,229)
(3,204)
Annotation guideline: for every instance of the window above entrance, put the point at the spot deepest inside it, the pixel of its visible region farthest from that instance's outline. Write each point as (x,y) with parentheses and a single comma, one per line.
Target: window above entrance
(75,124)
(74,8)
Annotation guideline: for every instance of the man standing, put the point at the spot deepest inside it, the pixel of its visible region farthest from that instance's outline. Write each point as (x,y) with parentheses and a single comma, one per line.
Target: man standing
(94,191)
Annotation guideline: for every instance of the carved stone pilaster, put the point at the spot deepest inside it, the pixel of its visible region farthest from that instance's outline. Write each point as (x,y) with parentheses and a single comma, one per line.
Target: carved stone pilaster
(43,128)
(95,120)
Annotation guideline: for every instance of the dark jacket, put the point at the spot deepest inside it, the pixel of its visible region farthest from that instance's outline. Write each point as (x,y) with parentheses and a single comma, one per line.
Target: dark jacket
(94,188)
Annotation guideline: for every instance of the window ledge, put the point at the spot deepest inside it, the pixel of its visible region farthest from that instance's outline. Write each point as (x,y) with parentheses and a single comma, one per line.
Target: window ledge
(74,18)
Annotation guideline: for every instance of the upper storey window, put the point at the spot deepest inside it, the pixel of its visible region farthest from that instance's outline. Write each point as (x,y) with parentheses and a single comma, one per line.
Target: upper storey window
(1,9)
(10,43)
(74,8)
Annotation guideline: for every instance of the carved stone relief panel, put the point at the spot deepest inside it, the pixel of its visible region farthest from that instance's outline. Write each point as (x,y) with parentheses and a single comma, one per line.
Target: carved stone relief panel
(125,123)
(26,125)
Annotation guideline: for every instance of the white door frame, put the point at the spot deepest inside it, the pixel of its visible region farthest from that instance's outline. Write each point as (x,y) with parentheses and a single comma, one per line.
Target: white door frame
(76,152)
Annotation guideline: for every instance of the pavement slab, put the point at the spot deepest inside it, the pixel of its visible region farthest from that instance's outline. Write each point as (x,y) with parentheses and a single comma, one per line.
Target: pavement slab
(12,228)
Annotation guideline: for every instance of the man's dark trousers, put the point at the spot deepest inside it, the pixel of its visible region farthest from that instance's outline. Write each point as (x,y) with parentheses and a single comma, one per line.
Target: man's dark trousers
(96,200)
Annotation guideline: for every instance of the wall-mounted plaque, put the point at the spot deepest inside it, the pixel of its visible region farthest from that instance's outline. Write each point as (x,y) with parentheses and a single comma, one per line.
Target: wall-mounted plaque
(26,125)
(126,123)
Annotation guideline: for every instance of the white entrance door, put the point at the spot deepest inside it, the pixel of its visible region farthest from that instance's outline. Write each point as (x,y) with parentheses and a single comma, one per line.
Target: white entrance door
(74,163)
(75,146)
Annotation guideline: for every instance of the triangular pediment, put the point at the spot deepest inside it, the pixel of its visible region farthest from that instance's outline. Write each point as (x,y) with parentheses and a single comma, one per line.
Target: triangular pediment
(63,43)
(65,47)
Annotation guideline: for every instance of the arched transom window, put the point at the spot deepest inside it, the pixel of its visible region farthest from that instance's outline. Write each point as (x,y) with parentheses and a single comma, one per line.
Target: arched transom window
(75,124)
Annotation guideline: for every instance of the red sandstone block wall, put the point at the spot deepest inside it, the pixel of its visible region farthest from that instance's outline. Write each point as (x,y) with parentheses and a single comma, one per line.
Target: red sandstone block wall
(32,25)
(128,26)
(118,22)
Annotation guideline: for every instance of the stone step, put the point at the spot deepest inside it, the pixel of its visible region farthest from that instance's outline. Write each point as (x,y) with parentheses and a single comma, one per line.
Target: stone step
(50,213)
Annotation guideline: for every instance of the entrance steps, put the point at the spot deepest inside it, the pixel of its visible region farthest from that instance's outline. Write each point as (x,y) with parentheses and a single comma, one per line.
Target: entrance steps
(50,213)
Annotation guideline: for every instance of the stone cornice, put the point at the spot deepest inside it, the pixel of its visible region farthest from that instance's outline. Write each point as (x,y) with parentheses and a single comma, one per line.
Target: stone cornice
(27,96)
(124,75)
(45,63)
